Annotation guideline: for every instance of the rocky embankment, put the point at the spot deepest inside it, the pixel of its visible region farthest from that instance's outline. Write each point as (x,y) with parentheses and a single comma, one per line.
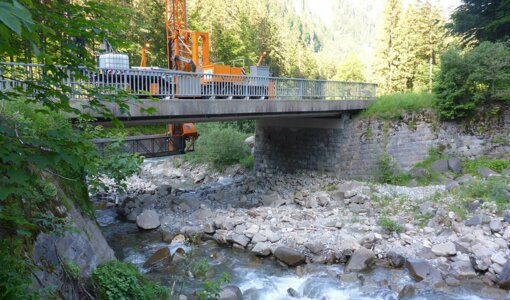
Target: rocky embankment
(311,218)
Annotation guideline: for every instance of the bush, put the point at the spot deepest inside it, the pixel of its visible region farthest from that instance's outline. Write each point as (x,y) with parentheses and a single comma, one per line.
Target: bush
(389,172)
(120,280)
(498,165)
(247,162)
(472,79)
(390,225)
(391,107)
(491,189)
(219,146)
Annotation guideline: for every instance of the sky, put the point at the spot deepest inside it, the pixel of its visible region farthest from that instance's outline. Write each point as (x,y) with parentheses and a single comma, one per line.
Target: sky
(323,7)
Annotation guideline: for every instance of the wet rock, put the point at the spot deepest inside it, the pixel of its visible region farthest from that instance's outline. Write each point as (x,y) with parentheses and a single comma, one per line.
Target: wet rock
(421,269)
(231,292)
(455,164)
(163,190)
(486,172)
(289,256)
(504,277)
(408,292)
(261,249)
(360,260)
(179,255)
(131,217)
(148,219)
(160,258)
(440,166)
(396,260)
(293,293)
(444,249)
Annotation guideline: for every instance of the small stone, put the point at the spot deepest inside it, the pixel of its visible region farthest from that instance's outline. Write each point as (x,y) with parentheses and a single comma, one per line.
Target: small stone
(239,239)
(179,239)
(258,237)
(250,232)
(209,228)
(444,249)
(293,293)
(421,269)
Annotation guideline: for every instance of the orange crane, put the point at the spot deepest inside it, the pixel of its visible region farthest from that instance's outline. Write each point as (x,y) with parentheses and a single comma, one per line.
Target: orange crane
(189,50)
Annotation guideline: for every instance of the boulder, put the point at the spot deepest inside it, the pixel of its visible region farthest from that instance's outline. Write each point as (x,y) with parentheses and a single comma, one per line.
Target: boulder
(293,293)
(179,255)
(408,292)
(159,259)
(420,269)
(360,260)
(231,292)
(444,249)
(209,228)
(179,239)
(418,172)
(455,164)
(239,239)
(289,256)
(440,166)
(504,277)
(495,225)
(163,190)
(463,269)
(250,141)
(261,249)
(148,219)
(258,237)
(396,260)
(486,172)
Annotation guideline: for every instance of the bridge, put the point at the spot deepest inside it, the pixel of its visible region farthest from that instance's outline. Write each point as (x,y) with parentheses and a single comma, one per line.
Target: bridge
(295,117)
(193,97)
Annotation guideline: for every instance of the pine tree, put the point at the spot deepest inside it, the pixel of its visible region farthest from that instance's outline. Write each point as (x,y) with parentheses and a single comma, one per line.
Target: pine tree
(390,47)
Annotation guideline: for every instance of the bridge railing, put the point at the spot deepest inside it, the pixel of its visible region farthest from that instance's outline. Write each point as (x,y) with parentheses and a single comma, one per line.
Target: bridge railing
(169,84)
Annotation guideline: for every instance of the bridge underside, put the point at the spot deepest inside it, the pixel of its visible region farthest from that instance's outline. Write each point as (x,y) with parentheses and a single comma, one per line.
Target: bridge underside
(208,110)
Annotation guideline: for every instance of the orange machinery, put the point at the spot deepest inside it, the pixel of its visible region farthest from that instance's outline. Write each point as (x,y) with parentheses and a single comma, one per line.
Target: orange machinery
(189,50)
(182,137)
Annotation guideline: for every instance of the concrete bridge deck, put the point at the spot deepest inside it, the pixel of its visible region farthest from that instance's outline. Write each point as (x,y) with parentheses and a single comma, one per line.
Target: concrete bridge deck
(204,110)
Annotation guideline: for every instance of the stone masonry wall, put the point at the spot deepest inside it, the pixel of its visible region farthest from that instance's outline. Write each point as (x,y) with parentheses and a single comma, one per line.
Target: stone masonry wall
(351,147)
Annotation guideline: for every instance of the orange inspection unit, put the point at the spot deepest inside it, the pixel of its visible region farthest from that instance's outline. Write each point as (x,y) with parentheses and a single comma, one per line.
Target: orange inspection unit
(182,137)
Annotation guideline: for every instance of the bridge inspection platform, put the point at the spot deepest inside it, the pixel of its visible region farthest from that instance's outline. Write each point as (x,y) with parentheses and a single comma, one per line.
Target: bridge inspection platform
(194,97)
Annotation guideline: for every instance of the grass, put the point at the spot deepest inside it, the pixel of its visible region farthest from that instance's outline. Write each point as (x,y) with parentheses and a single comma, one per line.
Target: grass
(490,190)
(131,131)
(498,165)
(391,107)
(390,225)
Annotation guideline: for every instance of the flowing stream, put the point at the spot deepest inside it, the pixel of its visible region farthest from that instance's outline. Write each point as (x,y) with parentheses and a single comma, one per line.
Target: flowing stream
(260,278)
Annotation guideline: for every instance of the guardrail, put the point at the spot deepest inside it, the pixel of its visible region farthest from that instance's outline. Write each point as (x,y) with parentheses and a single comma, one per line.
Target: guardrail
(168,84)
(147,146)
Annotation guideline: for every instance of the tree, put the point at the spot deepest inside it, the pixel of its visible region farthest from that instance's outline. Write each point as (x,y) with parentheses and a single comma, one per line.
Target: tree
(482,20)
(476,79)
(351,69)
(388,62)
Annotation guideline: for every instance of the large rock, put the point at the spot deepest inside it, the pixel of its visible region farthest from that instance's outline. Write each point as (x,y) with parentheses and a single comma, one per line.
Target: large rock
(148,219)
(396,260)
(239,239)
(261,249)
(161,258)
(444,249)
(455,164)
(408,292)
(486,172)
(289,256)
(360,260)
(440,166)
(231,292)
(504,277)
(421,269)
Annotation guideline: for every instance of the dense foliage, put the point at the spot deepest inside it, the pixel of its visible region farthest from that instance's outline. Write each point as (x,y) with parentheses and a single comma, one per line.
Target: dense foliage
(392,107)
(482,20)
(120,280)
(473,79)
